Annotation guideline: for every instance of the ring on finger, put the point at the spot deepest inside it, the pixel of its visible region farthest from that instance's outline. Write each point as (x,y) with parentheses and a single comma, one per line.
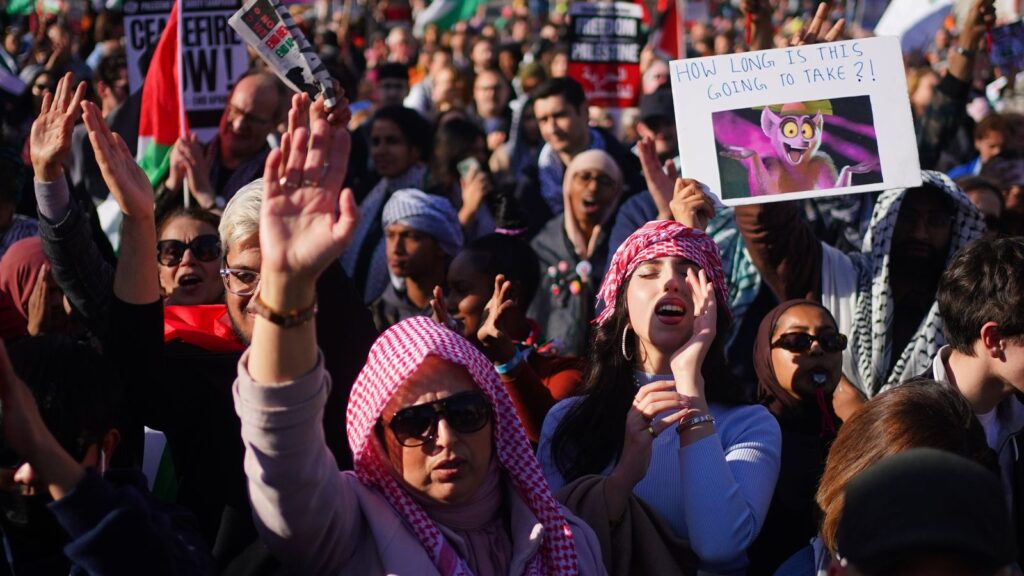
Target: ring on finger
(286,183)
(307,183)
(650,429)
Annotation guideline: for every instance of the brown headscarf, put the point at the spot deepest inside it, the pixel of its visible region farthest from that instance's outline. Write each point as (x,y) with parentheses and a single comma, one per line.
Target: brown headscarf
(770,391)
(19,270)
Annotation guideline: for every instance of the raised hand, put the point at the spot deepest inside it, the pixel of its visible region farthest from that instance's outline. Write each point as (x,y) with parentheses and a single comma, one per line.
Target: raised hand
(687,361)
(126,180)
(812,33)
(660,181)
(50,138)
(306,220)
(690,205)
(497,345)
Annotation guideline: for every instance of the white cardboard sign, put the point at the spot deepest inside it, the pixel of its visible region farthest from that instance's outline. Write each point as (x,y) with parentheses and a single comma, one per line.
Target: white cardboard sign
(818,120)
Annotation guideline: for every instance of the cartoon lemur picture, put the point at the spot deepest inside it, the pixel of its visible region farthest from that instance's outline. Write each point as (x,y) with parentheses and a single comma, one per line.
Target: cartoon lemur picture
(795,131)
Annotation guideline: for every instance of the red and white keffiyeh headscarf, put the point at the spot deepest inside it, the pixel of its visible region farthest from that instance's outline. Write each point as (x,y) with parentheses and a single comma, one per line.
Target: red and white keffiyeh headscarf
(659,239)
(392,359)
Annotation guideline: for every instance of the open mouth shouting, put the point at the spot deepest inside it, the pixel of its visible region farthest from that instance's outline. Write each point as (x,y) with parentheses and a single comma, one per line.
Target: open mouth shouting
(794,153)
(670,311)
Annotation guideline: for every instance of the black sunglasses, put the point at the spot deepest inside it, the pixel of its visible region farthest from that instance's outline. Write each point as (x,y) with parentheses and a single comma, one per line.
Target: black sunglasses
(801,342)
(465,413)
(205,248)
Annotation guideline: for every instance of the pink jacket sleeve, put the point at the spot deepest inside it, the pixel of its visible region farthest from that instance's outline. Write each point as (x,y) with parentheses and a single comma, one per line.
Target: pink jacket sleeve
(305,511)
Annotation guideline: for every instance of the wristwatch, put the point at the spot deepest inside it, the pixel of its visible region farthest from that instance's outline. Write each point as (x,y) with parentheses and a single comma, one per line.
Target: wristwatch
(965,52)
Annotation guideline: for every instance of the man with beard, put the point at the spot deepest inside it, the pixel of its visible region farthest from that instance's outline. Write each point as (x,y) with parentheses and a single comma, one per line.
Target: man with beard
(883,296)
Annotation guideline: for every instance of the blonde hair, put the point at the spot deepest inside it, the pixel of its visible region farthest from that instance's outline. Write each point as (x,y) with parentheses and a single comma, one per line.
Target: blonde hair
(241,218)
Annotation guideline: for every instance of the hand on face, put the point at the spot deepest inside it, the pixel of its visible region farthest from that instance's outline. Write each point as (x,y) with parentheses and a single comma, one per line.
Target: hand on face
(689,359)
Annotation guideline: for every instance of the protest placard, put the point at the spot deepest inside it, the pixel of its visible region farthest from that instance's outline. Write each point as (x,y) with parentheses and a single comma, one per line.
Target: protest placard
(213,58)
(268,27)
(804,122)
(1008,47)
(144,21)
(604,51)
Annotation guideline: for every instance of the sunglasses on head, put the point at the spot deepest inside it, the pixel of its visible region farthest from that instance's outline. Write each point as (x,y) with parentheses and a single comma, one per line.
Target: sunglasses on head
(802,341)
(205,248)
(465,413)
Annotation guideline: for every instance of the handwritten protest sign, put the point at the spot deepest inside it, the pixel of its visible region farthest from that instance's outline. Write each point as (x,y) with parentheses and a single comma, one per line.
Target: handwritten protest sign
(604,52)
(1008,47)
(268,27)
(213,58)
(812,121)
(144,21)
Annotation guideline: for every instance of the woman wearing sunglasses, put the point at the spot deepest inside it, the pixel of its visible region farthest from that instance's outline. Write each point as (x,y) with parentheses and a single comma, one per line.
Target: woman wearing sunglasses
(662,417)
(798,357)
(445,481)
(189,254)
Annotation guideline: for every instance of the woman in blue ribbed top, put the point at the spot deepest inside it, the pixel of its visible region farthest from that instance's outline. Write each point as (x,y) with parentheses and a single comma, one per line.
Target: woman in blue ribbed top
(662,417)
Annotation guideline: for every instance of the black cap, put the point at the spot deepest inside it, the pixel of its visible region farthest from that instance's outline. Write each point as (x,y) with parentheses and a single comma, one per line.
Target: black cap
(925,503)
(657,105)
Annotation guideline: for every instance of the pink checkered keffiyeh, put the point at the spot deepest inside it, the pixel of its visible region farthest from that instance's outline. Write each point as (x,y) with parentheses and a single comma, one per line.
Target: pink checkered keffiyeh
(659,239)
(392,359)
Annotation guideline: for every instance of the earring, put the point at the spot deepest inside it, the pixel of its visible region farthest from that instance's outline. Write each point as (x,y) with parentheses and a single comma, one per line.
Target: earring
(625,332)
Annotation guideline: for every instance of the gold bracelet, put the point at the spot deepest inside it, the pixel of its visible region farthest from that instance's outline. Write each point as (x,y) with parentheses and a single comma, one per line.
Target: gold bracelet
(288,319)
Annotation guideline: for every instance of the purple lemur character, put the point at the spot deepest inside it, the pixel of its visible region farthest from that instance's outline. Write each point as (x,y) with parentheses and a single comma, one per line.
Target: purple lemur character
(798,164)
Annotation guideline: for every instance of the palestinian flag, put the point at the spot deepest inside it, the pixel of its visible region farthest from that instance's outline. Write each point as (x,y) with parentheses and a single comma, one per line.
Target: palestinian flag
(445,13)
(160,119)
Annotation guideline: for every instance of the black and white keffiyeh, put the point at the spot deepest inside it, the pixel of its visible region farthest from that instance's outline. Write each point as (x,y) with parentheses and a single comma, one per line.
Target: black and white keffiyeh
(871,340)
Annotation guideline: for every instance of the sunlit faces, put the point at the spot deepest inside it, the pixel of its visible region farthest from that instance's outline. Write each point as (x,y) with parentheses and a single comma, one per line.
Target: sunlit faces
(801,373)
(590,193)
(391,153)
(192,281)
(244,255)
(562,125)
(248,118)
(452,467)
(660,304)
(468,293)
(412,253)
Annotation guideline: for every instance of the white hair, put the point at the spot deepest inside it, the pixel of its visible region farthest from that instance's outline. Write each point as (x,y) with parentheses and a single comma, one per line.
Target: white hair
(241,218)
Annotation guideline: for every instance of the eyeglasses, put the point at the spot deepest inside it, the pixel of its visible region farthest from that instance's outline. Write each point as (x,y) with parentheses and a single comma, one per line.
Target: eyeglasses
(588,177)
(801,342)
(465,413)
(240,282)
(206,248)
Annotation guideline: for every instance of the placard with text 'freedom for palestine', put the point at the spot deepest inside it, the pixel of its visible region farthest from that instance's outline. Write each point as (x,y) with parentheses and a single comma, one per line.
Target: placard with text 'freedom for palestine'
(818,120)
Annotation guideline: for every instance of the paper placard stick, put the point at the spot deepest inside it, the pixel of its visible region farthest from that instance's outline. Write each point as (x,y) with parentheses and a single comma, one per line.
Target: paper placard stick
(268,27)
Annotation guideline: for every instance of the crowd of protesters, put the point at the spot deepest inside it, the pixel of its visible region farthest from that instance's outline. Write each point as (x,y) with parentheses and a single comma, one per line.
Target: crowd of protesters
(463,322)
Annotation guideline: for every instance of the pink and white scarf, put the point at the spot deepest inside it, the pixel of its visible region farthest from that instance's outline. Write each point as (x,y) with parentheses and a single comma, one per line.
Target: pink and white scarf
(392,359)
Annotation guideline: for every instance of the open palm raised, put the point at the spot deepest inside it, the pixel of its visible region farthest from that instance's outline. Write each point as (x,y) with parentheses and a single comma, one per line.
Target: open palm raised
(306,219)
